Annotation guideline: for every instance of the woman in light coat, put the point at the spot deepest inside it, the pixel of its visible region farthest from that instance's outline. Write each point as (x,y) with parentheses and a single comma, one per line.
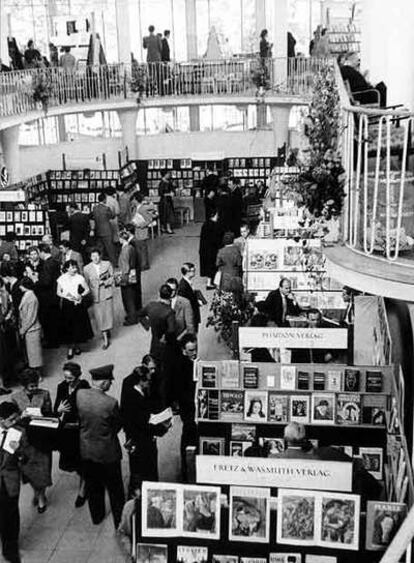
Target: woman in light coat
(29,325)
(99,276)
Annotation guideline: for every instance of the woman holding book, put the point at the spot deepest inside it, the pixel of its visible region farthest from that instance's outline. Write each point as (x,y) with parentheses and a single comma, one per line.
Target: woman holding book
(72,289)
(99,276)
(35,402)
(65,408)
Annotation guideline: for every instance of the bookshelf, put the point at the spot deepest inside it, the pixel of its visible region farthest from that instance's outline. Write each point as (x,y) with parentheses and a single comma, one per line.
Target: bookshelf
(344,39)
(28,223)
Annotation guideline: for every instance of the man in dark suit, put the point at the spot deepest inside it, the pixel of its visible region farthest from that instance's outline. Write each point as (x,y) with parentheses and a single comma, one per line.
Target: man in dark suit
(159,316)
(185,289)
(236,206)
(296,444)
(362,91)
(165,47)
(10,477)
(79,228)
(67,253)
(281,303)
(102,215)
(100,422)
(45,289)
(136,407)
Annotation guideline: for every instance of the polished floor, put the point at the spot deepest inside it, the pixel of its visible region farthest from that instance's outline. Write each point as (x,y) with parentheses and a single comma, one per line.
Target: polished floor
(65,534)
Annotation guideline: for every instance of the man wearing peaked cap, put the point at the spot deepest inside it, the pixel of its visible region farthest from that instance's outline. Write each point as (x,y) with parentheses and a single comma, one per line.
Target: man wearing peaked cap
(100,422)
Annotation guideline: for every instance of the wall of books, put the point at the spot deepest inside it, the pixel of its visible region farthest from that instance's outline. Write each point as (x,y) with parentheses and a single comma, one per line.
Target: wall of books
(28,223)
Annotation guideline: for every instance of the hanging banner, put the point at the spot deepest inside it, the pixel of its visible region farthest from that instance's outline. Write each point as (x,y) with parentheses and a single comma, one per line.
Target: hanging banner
(275,472)
(281,337)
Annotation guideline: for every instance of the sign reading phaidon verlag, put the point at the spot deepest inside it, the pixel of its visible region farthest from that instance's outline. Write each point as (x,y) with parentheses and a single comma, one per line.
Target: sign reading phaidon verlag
(274,472)
(274,337)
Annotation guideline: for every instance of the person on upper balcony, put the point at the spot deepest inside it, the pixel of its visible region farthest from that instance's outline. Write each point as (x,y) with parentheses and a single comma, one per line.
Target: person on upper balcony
(264,46)
(321,46)
(32,56)
(165,47)
(153,45)
(67,60)
(362,91)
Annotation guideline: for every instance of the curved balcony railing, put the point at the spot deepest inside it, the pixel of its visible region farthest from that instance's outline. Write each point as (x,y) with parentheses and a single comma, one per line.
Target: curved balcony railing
(233,77)
(377,146)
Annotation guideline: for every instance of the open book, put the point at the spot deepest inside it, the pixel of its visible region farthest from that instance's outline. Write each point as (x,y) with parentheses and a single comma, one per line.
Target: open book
(163,416)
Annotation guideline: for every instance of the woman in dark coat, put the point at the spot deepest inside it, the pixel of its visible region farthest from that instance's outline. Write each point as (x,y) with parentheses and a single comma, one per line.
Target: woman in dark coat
(229,263)
(166,193)
(65,408)
(210,243)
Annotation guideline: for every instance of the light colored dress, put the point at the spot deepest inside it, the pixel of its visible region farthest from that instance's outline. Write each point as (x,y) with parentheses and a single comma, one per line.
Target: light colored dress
(30,329)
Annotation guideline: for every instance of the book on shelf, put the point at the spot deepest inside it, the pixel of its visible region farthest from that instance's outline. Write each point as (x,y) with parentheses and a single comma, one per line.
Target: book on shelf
(288,378)
(373,409)
(383,522)
(373,381)
(230,374)
(231,405)
(319,381)
(278,410)
(351,380)
(208,376)
(348,408)
(333,380)
(250,377)
(299,408)
(303,380)
(208,404)
(372,460)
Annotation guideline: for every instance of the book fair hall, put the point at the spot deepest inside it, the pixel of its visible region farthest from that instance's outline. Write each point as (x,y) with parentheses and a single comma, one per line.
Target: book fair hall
(206,281)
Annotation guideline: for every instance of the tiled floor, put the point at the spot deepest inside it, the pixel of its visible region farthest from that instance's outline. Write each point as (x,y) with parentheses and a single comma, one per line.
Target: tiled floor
(65,534)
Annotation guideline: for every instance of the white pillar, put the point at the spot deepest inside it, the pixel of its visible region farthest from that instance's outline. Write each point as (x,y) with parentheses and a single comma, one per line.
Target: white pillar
(260,16)
(280,124)
(191,33)
(279,36)
(385,54)
(128,120)
(123,31)
(4,50)
(10,145)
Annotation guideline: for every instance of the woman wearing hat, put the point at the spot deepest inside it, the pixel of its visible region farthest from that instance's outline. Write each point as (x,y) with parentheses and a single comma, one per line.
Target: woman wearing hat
(65,408)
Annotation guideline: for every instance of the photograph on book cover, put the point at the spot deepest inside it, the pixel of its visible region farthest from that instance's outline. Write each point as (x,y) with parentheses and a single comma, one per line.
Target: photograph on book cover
(152,552)
(200,512)
(159,509)
(249,514)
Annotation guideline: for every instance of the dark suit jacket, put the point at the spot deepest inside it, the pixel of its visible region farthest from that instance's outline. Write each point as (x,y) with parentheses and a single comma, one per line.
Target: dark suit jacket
(185,290)
(46,286)
(274,307)
(63,394)
(100,422)
(102,216)
(79,228)
(165,50)
(161,319)
(10,466)
(135,413)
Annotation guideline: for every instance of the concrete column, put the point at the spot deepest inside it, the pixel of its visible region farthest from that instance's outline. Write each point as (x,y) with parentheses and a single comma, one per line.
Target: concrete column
(191,33)
(128,120)
(10,145)
(279,36)
(123,31)
(382,54)
(61,126)
(280,124)
(260,16)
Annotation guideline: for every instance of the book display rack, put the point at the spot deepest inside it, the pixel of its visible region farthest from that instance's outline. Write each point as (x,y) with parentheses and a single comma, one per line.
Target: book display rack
(27,222)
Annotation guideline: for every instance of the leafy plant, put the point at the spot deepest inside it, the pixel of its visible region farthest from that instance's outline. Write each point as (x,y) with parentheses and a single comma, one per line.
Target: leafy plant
(319,187)
(42,88)
(226,309)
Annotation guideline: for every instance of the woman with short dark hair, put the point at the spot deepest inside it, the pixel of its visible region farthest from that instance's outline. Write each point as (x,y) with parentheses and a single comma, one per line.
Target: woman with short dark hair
(65,408)
(72,289)
(37,470)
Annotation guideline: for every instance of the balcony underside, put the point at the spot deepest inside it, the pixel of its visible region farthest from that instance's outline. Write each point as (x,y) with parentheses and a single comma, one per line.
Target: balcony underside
(115,104)
(370,274)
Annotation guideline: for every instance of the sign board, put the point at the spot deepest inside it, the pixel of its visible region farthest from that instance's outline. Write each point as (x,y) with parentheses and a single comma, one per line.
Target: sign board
(275,472)
(281,337)
(12,195)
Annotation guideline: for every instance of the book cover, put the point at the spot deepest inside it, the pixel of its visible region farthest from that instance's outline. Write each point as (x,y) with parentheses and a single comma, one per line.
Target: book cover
(299,408)
(351,380)
(372,460)
(224,558)
(208,404)
(212,446)
(237,448)
(348,408)
(230,374)
(373,381)
(278,407)
(333,380)
(285,558)
(303,380)
(231,405)
(152,552)
(255,405)
(250,377)
(373,409)
(323,408)
(338,521)
(243,432)
(319,381)
(288,378)
(208,376)
(192,554)
(383,522)
(249,514)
